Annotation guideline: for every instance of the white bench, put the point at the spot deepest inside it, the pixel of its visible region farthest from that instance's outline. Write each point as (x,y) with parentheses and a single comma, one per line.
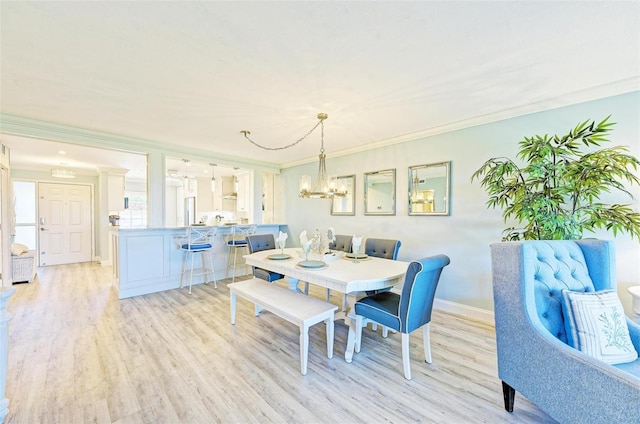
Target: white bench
(304,311)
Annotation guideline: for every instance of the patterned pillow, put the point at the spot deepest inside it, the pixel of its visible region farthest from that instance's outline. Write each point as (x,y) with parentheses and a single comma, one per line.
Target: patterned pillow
(596,325)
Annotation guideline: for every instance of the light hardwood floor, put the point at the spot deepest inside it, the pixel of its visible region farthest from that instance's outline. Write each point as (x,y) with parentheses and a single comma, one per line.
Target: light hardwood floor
(77,354)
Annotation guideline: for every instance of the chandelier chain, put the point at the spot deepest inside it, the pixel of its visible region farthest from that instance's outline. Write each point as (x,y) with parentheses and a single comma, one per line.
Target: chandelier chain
(320,122)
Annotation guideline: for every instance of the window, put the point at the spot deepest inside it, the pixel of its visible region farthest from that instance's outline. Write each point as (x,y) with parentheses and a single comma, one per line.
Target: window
(24,194)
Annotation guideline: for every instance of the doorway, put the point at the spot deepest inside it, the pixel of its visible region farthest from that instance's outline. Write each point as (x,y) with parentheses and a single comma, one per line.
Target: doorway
(64,223)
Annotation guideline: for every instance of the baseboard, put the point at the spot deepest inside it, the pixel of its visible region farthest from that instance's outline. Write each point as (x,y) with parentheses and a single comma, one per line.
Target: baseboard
(464,310)
(105,263)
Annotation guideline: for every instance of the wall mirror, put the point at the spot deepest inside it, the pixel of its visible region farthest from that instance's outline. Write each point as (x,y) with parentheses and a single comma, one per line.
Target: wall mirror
(429,189)
(380,192)
(345,205)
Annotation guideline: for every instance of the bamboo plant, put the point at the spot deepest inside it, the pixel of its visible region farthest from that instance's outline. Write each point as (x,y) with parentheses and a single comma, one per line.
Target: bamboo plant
(555,194)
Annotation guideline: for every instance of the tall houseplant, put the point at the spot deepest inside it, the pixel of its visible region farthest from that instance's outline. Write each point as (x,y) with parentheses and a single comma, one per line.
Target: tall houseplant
(555,194)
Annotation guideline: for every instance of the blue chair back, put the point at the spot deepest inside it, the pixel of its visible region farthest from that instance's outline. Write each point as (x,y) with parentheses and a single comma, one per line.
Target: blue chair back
(260,242)
(418,292)
(342,243)
(382,248)
(555,266)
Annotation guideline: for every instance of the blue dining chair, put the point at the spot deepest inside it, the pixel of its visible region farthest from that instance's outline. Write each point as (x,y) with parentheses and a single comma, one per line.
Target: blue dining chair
(258,243)
(403,313)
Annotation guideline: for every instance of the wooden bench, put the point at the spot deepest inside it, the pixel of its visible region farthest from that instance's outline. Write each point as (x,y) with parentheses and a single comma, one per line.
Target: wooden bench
(304,311)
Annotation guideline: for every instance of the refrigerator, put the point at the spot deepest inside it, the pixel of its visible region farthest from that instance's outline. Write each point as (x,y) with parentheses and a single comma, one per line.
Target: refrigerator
(189,211)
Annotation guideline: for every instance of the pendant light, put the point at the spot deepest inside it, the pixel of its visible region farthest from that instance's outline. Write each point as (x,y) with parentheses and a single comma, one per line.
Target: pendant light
(213,177)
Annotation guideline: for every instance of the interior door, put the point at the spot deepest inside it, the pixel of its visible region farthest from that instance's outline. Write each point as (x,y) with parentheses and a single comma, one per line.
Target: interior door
(64,218)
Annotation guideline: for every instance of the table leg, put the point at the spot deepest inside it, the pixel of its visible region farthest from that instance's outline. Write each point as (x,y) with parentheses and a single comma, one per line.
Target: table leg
(330,333)
(232,300)
(304,348)
(351,342)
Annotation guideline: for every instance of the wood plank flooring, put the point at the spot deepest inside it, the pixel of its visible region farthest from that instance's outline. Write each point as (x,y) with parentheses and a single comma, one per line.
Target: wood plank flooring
(77,354)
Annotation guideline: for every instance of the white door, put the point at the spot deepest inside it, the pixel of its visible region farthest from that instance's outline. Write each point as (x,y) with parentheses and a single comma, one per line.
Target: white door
(64,212)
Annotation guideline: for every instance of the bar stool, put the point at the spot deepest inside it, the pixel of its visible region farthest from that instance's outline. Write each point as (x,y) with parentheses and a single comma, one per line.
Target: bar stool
(198,240)
(237,240)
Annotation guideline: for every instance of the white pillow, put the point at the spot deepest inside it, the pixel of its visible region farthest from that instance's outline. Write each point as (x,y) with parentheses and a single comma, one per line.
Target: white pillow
(596,325)
(17,249)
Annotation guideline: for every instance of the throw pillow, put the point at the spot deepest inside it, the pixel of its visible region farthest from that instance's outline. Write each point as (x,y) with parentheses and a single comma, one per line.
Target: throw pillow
(18,249)
(596,325)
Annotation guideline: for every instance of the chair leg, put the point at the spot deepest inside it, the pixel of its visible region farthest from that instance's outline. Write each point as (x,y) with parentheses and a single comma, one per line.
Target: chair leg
(426,336)
(509,394)
(213,269)
(406,360)
(205,270)
(235,255)
(191,272)
(184,267)
(385,331)
(306,288)
(328,298)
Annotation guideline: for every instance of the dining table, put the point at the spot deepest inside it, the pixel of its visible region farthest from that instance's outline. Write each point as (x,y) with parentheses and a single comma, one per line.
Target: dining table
(335,271)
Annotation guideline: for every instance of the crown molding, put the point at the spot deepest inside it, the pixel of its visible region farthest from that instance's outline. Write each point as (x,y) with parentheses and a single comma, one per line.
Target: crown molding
(50,131)
(625,86)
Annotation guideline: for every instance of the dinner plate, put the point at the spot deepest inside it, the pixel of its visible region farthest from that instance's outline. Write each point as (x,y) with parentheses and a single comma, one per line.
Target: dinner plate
(358,256)
(311,264)
(279,256)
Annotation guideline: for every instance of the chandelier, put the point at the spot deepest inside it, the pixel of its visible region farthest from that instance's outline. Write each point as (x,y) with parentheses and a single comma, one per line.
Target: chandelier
(324,187)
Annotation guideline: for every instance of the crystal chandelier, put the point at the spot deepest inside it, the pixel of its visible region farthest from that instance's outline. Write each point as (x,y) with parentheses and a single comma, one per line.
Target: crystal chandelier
(324,187)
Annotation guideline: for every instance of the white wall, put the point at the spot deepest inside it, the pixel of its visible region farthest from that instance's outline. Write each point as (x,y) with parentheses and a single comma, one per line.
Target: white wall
(465,235)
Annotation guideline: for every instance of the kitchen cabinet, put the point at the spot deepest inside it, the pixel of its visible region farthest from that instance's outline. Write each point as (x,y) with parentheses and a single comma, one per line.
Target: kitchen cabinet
(243,201)
(229,195)
(206,198)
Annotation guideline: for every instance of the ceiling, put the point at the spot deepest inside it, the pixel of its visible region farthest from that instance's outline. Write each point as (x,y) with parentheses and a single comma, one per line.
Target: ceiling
(194,74)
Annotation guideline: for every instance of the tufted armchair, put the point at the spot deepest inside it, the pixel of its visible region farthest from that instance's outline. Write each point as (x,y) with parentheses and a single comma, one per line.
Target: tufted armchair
(533,355)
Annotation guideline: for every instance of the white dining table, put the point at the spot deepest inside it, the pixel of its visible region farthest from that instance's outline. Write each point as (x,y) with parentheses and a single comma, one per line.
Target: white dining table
(340,274)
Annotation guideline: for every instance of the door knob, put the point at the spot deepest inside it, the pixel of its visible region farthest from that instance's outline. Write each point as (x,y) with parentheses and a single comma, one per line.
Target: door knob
(43,229)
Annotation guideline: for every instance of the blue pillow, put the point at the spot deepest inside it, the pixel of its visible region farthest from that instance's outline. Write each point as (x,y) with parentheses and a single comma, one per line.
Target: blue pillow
(596,325)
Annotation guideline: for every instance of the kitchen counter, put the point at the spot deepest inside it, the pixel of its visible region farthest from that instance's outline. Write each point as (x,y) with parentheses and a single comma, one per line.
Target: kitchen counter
(149,260)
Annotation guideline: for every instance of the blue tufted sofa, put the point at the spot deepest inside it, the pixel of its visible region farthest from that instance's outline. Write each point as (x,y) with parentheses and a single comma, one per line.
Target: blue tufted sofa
(533,357)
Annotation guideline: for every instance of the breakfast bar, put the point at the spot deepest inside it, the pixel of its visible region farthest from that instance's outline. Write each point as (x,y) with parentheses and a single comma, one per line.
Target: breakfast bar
(148,260)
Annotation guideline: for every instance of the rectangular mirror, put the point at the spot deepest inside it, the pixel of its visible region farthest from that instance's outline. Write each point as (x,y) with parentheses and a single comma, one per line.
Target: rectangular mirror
(345,205)
(380,192)
(429,189)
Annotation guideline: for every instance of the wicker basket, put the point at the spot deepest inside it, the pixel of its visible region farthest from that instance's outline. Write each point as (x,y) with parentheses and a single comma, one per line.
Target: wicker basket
(23,267)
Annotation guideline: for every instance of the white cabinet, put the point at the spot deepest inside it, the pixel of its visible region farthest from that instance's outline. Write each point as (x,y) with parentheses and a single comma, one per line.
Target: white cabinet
(243,202)
(205,196)
(115,187)
(228,194)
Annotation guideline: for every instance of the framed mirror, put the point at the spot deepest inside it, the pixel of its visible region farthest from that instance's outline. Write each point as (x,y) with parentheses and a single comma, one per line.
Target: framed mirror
(380,192)
(345,205)
(429,189)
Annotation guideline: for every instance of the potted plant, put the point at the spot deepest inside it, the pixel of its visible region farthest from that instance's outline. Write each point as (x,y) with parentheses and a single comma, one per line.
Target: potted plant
(555,194)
